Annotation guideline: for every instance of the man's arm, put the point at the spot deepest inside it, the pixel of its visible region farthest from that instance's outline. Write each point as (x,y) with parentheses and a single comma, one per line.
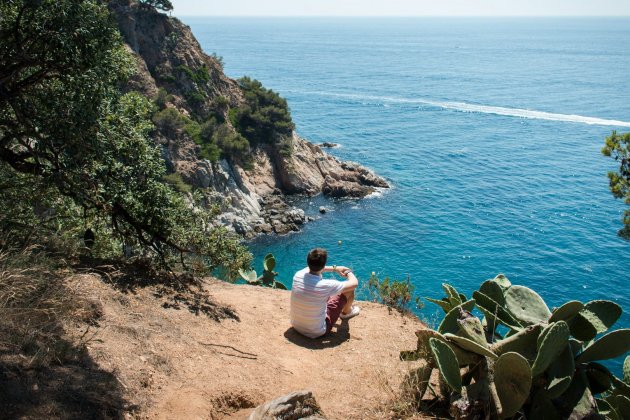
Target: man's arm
(351,283)
(340,269)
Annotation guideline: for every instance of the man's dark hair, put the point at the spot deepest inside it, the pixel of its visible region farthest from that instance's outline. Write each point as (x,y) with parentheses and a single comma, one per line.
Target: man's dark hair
(317,259)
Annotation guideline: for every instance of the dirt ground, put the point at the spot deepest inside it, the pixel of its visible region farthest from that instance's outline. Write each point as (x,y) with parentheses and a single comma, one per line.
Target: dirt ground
(174,364)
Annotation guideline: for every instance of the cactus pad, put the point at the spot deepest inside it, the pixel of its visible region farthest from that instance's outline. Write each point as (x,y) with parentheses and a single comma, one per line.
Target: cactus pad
(278,285)
(471,328)
(560,373)
(523,342)
(626,370)
(526,305)
(599,377)
(449,323)
(611,345)
(566,311)
(595,318)
(446,306)
(513,379)
(622,404)
(470,345)
(608,411)
(493,290)
(542,407)
(447,363)
(554,342)
(502,281)
(269,262)
(452,295)
(249,276)
(494,311)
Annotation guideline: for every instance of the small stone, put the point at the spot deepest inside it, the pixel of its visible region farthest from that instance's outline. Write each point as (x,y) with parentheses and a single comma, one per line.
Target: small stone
(322,210)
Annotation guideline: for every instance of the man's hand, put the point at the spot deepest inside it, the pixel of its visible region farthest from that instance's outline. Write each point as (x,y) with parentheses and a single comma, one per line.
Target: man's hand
(341,269)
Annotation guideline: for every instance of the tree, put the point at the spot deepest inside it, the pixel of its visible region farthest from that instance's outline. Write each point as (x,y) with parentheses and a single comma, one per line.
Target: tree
(265,118)
(165,5)
(68,131)
(618,147)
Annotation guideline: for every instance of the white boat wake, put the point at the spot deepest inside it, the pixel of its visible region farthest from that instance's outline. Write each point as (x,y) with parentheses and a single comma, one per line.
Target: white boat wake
(482,109)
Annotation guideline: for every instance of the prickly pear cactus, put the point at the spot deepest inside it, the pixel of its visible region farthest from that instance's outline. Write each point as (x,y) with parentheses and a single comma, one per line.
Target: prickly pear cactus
(523,358)
(526,305)
(553,340)
(513,379)
(447,363)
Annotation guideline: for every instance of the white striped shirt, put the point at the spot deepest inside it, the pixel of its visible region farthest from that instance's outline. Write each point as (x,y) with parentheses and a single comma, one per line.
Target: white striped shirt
(309,296)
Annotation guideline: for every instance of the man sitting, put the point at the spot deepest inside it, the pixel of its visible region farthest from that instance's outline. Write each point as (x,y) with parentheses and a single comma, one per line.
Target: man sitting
(317,303)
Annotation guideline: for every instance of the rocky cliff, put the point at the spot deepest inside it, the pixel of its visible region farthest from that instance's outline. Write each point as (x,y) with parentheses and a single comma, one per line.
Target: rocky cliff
(173,70)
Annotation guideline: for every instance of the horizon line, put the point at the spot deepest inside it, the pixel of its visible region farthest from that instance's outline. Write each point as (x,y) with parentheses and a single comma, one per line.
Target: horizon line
(409,16)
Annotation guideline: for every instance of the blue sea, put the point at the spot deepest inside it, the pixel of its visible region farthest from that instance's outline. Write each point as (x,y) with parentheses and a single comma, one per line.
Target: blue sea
(489,131)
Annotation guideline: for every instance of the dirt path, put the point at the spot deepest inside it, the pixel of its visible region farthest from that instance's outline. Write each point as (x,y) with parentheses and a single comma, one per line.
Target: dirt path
(174,364)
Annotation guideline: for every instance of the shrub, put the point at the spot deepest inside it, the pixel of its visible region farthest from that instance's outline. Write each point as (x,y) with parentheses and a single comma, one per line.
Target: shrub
(162,98)
(170,121)
(218,59)
(265,118)
(395,294)
(177,182)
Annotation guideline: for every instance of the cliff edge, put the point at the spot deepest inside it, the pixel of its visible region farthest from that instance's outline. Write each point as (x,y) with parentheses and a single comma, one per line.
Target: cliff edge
(172,363)
(208,147)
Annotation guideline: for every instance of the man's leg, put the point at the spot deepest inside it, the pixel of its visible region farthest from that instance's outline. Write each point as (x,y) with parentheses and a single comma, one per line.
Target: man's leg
(333,310)
(347,308)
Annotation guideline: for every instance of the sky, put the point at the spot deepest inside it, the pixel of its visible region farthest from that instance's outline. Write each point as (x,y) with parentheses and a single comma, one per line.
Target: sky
(402,8)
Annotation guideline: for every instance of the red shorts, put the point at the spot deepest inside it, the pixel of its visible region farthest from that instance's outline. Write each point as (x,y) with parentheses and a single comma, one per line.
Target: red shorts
(333,310)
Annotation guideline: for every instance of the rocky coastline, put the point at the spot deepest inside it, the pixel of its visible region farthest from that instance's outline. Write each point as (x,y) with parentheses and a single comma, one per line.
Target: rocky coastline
(254,196)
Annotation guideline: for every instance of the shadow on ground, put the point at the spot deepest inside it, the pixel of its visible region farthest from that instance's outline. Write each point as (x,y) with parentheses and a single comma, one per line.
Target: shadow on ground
(178,291)
(339,335)
(76,389)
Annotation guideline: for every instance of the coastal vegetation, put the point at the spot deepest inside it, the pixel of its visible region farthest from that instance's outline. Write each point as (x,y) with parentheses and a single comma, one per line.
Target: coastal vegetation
(519,358)
(265,117)
(618,147)
(76,152)
(268,276)
(395,294)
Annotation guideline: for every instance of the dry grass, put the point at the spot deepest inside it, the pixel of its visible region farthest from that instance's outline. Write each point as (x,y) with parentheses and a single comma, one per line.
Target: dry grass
(47,373)
(35,304)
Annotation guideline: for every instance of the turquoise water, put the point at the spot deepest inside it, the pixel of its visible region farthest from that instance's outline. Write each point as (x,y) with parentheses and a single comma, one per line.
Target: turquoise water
(489,131)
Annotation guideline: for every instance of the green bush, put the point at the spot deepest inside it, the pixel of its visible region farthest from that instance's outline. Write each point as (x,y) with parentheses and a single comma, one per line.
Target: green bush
(618,147)
(265,118)
(90,160)
(162,98)
(395,294)
(170,121)
(177,182)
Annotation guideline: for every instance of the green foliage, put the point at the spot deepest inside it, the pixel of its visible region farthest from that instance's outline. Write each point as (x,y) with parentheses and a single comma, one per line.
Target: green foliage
(218,59)
(169,121)
(618,147)
(200,76)
(268,277)
(162,98)
(495,366)
(395,294)
(66,129)
(265,118)
(177,182)
(164,5)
